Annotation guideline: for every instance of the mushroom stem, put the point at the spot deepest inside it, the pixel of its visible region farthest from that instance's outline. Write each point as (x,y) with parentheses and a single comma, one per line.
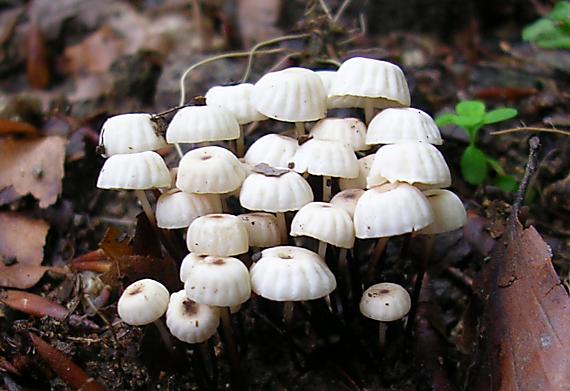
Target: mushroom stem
(344,275)
(421,266)
(382,327)
(288,308)
(141,195)
(375,257)
(299,129)
(165,336)
(327,188)
(323,250)
(230,344)
(178,150)
(368,110)
(240,143)
(206,357)
(282,227)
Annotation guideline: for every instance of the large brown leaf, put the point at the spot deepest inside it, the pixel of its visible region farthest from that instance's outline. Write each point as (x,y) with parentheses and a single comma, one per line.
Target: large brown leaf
(33,167)
(22,242)
(525,336)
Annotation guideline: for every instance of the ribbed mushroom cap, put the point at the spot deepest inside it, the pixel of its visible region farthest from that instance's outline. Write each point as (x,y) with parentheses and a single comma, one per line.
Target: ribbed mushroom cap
(326,158)
(262,229)
(209,170)
(134,171)
(347,200)
(287,273)
(143,302)
(325,222)
(189,321)
(177,209)
(236,99)
(351,131)
(129,133)
(381,81)
(291,95)
(402,125)
(274,194)
(272,149)
(413,162)
(337,102)
(385,302)
(196,124)
(217,234)
(219,281)
(391,209)
(364,165)
(448,212)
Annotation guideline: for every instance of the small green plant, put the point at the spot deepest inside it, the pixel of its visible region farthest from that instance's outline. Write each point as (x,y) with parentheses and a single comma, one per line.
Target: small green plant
(471,116)
(551,31)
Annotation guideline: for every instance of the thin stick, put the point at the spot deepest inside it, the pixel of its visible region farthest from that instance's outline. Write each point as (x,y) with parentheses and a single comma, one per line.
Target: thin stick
(141,195)
(278,64)
(254,50)
(216,58)
(231,346)
(531,129)
(531,165)
(327,188)
(375,257)
(326,9)
(341,9)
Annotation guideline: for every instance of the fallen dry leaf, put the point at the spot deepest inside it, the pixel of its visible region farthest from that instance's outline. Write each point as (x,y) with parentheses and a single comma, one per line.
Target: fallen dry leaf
(70,373)
(525,335)
(37,64)
(33,167)
(22,242)
(258,20)
(16,127)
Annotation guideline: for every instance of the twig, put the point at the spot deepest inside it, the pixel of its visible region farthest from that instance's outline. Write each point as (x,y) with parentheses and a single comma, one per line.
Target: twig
(254,49)
(326,9)
(360,34)
(531,165)
(531,129)
(216,58)
(341,10)
(283,60)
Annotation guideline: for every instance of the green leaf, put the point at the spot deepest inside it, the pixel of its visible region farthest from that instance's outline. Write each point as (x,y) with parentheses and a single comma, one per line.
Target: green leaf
(559,42)
(474,165)
(535,30)
(470,108)
(495,165)
(499,115)
(445,119)
(506,183)
(560,11)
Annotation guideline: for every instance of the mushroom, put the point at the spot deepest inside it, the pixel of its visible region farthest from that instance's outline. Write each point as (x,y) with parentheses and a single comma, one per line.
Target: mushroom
(385,302)
(406,124)
(351,131)
(364,165)
(291,95)
(272,149)
(262,230)
(381,84)
(177,209)
(337,102)
(327,159)
(135,171)
(130,133)
(236,99)
(217,234)
(347,200)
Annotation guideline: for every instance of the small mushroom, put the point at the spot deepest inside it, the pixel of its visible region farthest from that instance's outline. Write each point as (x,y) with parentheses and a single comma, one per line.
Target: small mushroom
(385,302)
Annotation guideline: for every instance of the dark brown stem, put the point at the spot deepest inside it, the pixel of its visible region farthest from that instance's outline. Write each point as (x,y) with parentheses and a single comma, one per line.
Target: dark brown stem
(421,266)
(375,258)
(233,354)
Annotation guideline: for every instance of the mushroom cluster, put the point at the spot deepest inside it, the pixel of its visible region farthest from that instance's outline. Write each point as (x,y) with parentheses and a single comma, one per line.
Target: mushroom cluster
(388,176)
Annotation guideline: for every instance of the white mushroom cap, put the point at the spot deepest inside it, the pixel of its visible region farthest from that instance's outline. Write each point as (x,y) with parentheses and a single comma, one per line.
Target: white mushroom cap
(217,234)
(287,273)
(413,162)
(448,212)
(385,302)
(237,99)
(325,222)
(196,124)
(219,281)
(262,229)
(177,209)
(129,133)
(189,321)
(326,158)
(209,170)
(364,165)
(347,200)
(403,125)
(337,102)
(272,149)
(283,193)
(134,171)
(381,81)
(351,131)
(291,95)
(143,302)
(391,209)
